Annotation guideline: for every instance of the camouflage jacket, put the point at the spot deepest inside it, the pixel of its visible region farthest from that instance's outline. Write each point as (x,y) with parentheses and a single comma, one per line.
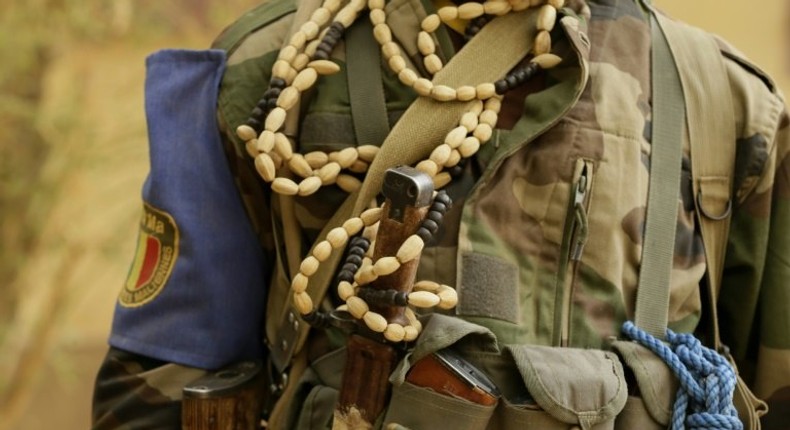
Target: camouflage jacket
(510,245)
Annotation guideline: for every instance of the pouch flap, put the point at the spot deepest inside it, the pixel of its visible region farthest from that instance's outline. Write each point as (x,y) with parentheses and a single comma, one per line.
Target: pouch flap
(576,386)
(657,384)
(442,331)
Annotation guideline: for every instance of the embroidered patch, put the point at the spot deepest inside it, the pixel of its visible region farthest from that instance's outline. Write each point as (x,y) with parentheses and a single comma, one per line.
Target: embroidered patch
(157,250)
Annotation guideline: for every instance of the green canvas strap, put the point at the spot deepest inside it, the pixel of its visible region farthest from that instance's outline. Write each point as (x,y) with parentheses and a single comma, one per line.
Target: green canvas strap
(365,90)
(418,131)
(652,300)
(712,134)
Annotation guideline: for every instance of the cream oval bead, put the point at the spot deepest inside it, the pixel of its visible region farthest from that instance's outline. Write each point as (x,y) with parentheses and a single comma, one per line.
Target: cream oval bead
(469,147)
(423,87)
(456,136)
(275,119)
(298,40)
(465,93)
(432,63)
(448,13)
(493,104)
(316,159)
(557,4)
(310,29)
(299,283)
(427,286)
(441,154)
(519,5)
(321,16)
(455,158)
(353,226)
(345,290)
(329,173)
(547,61)
(408,77)
(468,121)
(547,17)
(496,7)
(288,53)
(448,298)
(346,157)
(371,216)
(470,10)
(251,149)
(278,161)
(303,302)
(365,275)
(542,43)
(299,165)
(386,265)
(429,167)
(367,152)
(324,67)
(265,167)
(311,47)
(410,249)
(375,322)
(485,90)
(389,49)
(397,63)
(246,133)
(394,333)
(282,145)
(305,79)
(309,266)
(410,333)
(441,180)
(382,33)
(357,307)
(443,93)
(322,251)
(285,186)
(281,69)
(359,166)
(376,4)
(425,43)
(337,237)
(431,23)
(288,98)
(483,132)
(423,299)
(309,186)
(489,117)
(377,16)
(300,61)
(348,183)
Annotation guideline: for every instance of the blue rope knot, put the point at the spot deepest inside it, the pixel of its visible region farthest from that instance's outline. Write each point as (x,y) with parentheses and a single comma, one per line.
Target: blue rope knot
(707,380)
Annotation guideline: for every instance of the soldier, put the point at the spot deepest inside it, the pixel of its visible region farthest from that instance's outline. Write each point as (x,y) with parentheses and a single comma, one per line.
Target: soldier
(256,144)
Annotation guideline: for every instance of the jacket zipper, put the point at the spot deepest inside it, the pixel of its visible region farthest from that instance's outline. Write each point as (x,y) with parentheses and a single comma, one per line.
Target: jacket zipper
(574,239)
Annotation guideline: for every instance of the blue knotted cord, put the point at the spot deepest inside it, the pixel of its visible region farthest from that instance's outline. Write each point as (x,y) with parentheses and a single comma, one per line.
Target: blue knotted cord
(707,380)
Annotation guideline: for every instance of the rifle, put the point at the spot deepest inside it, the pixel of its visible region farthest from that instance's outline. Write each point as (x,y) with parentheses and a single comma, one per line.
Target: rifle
(370,359)
(229,399)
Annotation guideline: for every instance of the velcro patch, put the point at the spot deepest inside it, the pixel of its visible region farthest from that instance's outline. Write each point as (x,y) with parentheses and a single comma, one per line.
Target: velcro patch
(157,251)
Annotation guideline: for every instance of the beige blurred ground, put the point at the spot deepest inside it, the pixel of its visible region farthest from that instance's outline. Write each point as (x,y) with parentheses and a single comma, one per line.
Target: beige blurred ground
(73,157)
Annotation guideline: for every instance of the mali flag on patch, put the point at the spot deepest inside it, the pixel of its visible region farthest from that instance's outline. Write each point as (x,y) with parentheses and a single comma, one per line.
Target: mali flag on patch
(157,250)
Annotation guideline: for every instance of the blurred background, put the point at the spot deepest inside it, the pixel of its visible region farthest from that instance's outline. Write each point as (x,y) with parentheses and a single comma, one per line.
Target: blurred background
(73,157)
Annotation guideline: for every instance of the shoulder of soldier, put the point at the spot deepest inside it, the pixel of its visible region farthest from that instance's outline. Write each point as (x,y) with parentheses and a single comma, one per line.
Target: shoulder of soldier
(267,23)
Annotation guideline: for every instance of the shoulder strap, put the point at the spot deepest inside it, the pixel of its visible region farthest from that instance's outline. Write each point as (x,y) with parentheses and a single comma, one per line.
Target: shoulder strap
(711,133)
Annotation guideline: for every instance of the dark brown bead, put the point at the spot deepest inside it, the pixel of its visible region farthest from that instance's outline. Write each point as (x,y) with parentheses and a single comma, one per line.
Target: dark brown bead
(501,87)
(354,259)
(271,103)
(439,207)
(254,123)
(324,46)
(351,267)
(443,198)
(357,250)
(257,112)
(511,80)
(456,171)
(330,40)
(346,275)
(424,234)
(431,225)
(278,83)
(320,55)
(435,216)
(272,93)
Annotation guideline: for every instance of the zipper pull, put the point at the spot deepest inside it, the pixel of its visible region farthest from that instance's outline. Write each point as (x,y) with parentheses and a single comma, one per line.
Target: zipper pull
(580,213)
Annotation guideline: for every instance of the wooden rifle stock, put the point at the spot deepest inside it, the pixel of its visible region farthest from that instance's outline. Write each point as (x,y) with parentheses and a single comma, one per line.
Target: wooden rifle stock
(370,359)
(229,399)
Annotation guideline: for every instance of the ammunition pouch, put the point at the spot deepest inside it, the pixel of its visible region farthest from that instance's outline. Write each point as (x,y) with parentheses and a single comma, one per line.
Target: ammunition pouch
(542,387)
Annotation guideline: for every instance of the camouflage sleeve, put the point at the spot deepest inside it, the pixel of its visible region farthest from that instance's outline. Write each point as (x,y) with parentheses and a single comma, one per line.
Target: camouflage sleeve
(755,296)
(133,392)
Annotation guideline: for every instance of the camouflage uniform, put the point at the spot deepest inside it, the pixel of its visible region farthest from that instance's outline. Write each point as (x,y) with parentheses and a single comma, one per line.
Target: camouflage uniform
(510,243)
